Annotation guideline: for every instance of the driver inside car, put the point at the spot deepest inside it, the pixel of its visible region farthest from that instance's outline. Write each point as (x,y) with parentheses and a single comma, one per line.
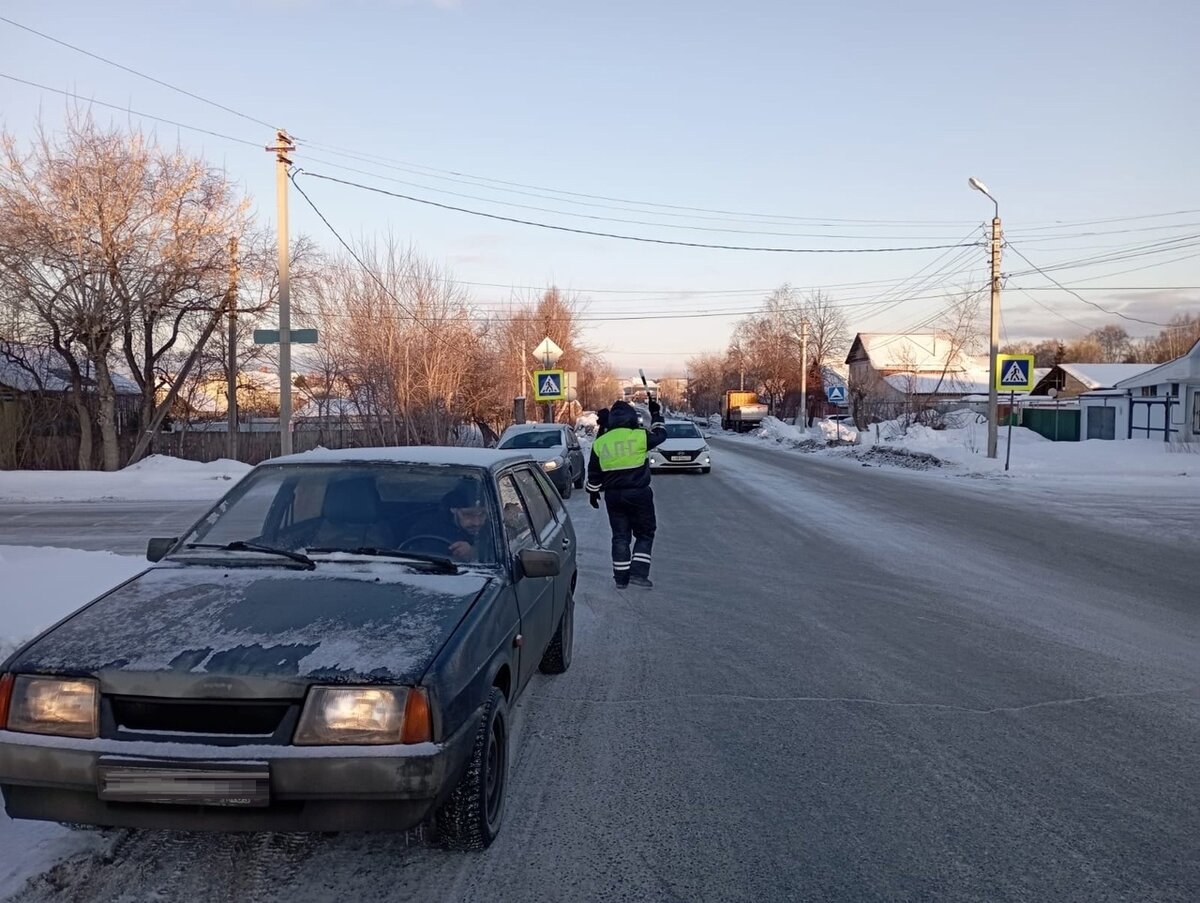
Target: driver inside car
(464,524)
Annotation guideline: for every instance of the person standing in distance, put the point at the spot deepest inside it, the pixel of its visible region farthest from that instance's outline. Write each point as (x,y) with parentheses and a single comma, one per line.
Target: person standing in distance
(618,467)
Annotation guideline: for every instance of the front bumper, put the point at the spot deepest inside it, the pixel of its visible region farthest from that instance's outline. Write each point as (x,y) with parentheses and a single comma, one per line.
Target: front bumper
(349,788)
(664,462)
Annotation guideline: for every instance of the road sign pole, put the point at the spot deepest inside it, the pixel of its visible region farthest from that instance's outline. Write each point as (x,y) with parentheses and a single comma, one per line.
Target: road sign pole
(1012,402)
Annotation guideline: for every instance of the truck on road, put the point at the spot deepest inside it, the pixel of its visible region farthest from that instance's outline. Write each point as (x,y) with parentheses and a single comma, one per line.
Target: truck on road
(741,411)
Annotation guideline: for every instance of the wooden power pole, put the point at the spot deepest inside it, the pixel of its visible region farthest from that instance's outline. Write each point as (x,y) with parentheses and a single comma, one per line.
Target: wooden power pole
(231,310)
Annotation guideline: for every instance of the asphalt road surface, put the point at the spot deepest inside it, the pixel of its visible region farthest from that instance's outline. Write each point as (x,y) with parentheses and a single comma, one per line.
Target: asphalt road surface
(848,684)
(96,526)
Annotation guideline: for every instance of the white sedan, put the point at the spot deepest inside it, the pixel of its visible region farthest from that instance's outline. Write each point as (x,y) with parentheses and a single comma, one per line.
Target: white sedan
(684,449)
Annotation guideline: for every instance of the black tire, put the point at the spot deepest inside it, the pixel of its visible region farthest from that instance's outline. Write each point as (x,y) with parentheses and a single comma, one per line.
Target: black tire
(565,489)
(471,818)
(579,480)
(557,657)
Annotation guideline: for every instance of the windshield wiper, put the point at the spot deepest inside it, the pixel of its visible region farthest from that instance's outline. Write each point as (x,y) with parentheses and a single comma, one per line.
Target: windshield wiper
(241,545)
(446,565)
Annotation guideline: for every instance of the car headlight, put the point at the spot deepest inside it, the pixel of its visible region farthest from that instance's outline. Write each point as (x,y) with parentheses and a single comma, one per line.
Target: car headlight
(364,715)
(64,707)
(549,465)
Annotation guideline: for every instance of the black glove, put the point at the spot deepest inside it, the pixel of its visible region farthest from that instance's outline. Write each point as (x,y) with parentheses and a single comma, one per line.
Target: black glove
(594,499)
(655,408)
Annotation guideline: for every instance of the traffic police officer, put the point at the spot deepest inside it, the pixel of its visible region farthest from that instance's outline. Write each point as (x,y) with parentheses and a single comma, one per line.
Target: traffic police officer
(618,467)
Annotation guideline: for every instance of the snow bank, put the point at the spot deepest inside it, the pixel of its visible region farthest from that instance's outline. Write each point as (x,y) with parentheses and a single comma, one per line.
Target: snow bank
(963,444)
(154,478)
(821,434)
(40,587)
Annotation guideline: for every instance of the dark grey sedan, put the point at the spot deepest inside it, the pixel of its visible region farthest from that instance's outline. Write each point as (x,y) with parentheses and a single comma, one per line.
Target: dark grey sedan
(553,445)
(336,645)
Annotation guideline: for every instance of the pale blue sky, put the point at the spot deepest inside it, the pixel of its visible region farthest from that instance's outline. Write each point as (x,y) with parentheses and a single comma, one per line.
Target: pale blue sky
(873,110)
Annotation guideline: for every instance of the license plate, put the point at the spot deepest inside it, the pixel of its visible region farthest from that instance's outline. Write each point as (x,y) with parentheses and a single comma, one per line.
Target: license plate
(236,786)
(681,457)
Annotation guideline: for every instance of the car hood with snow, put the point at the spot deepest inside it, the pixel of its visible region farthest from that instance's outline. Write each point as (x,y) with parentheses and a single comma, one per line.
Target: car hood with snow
(345,621)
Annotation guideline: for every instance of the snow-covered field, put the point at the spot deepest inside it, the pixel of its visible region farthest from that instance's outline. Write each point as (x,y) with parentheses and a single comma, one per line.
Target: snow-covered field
(156,477)
(40,587)
(961,448)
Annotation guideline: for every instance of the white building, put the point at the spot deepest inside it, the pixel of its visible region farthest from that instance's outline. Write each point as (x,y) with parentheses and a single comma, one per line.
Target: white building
(1160,403)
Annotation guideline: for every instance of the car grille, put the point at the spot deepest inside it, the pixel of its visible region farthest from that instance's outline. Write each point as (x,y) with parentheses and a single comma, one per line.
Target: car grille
(214,718)
(681,455)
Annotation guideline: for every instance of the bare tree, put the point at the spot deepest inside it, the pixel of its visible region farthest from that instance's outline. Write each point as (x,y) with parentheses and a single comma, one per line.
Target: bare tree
(118,245)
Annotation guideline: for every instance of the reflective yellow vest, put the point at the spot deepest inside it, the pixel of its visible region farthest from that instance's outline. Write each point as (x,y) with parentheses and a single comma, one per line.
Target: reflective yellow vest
(621,449)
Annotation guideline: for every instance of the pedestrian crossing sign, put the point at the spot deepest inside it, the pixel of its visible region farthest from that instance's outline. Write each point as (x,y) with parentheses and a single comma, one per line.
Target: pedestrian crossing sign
(549,385)
(1014,373)
(836,394)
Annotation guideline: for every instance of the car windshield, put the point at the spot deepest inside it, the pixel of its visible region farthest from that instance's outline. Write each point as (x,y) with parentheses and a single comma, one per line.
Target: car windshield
(533,439)
(682,431)
(385,510)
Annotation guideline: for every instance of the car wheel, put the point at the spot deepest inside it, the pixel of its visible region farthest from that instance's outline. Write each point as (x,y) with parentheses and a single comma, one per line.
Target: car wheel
(565,489)
(557,657)
(470,819)
(579,480)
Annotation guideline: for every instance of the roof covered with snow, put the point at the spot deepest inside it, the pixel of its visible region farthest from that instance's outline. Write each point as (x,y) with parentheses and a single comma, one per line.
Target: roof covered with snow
(36,368)
(452,456)
(1104,376)
(918,352)
(1185,369)
(954,383)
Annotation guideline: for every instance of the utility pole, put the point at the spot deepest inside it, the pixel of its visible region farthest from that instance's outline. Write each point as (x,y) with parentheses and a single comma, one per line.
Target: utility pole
(282,147)
(803,374)
(231,403)
(994,352)
(993,405)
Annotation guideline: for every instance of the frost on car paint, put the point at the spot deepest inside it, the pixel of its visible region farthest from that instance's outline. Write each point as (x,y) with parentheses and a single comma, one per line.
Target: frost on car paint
(385,622)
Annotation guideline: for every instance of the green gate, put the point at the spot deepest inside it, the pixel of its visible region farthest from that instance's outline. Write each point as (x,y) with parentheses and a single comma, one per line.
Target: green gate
(1057,425)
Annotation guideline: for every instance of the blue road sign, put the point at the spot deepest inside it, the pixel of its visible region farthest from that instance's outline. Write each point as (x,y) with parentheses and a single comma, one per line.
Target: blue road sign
(549,385)
(1014,372)
(836,394)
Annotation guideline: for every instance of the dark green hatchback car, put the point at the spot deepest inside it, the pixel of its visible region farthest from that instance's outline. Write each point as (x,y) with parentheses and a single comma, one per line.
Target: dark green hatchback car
(334,646)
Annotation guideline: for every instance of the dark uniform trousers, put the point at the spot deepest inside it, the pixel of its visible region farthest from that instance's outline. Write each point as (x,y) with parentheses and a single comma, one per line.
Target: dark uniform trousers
(631,516)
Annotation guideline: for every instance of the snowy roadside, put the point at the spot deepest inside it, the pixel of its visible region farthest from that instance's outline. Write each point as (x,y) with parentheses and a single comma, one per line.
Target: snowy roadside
(40,587)
(155,478)
(960,450)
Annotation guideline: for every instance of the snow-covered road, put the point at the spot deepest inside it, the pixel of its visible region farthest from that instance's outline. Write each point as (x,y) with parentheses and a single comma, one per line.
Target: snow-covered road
(849,684)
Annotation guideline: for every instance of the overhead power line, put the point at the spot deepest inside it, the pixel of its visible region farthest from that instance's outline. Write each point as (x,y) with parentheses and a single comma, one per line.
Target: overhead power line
(1115,313)
(112,106)
(615,235)
(143,75)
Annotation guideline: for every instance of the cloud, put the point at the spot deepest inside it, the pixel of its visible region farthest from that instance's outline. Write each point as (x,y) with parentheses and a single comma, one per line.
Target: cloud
(1025,319)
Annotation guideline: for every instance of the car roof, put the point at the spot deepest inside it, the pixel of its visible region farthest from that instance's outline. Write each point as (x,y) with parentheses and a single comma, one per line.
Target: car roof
(451,456)
(531,427)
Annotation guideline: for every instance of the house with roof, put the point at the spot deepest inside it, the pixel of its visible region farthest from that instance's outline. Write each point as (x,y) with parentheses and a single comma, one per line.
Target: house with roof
(1161,402)
(36,403)
(1072,380)
(893,372)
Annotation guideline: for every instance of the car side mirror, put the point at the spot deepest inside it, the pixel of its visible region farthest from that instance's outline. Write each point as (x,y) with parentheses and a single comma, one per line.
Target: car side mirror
(157,549)
(540,563)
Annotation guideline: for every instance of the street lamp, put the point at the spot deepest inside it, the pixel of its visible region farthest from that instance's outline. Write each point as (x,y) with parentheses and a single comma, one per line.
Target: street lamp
(994,344)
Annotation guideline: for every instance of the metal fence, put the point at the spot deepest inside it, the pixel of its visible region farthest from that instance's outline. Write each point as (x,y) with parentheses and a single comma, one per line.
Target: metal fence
(1056,425)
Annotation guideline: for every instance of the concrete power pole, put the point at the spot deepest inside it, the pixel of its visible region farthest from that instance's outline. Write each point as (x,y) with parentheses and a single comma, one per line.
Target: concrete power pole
(993,402)
(803,420)
(231,306)
(284,146)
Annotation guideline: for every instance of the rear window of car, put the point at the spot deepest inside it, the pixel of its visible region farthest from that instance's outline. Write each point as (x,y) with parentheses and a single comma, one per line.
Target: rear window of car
(533,439)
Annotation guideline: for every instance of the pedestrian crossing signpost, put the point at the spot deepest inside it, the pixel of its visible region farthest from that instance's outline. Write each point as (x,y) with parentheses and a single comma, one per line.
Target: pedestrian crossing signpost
(1014,373)
(549,385)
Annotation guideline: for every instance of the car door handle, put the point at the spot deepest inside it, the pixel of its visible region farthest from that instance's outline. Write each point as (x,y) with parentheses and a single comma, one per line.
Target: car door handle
(566,544)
